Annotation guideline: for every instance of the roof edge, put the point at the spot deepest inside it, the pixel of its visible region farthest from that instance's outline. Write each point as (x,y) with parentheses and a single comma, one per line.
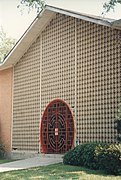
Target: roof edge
(86,17)
(117,24)
(30,35)
(39,23)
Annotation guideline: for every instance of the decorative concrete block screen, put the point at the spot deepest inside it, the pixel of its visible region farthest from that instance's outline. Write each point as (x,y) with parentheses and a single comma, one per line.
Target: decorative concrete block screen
(99,81)
(58,61)
(58,70)
(26,100)
(78,62)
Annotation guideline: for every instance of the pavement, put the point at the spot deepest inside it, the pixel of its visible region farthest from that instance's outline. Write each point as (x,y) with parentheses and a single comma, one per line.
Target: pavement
(29,163)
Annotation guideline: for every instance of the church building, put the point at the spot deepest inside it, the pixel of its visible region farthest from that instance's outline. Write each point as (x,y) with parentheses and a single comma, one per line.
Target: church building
(60,85)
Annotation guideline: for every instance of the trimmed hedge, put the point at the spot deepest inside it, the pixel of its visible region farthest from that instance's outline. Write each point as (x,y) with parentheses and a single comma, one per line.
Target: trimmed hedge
(96,156)
(74,156)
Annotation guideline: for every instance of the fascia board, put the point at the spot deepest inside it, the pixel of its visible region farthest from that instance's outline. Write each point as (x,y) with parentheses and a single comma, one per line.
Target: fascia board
(27,39)
(95,20)
(117,24)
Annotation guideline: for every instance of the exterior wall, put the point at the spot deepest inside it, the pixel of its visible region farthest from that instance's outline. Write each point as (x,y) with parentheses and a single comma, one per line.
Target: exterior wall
(81,65)
(58,66)
(58,62)
(72,60)
(26,100)
(6,84)
(99,81)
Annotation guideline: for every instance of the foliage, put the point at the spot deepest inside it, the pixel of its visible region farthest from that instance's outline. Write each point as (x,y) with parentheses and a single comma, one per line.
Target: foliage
(57,171)
(96,156)
(83,155)
(6,43)
(118,123)
(39,4)
(89,156)
(110,5)
(33,4)
(2,151)
(74,156)
(109,158)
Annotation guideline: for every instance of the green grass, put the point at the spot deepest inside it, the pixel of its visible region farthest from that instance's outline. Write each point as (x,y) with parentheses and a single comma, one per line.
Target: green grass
(6,160)
(55,172)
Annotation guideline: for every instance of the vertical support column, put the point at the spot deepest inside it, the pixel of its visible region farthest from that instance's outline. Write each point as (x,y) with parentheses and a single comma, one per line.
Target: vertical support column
(40,86)
(75,80)
(12,95)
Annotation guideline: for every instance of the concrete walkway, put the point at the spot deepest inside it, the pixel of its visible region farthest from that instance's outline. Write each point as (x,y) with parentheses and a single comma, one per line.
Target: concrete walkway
(28,163)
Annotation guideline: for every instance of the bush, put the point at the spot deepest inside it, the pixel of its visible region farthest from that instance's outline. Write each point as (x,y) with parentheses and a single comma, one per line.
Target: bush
(74,156)
(109,158)
(118,123)
(96,156)
(2,151)
(89,156)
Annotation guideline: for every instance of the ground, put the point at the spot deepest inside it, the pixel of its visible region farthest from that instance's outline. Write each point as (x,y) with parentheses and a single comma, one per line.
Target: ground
(57,171)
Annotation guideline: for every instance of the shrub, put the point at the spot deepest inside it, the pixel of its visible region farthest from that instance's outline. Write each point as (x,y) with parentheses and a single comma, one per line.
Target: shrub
(109,158)
(2,151)
(96,156)
(74,156)
(118,123)
(83,155)
(89,156)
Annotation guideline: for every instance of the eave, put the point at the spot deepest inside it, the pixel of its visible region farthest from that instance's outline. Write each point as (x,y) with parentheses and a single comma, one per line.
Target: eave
(40,23)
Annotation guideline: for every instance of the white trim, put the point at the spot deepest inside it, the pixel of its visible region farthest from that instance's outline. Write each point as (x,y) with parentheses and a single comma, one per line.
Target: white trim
(38,25)
(75,79)
(12,109)
(85,17)
(40,87)
(34,30)
(117,24)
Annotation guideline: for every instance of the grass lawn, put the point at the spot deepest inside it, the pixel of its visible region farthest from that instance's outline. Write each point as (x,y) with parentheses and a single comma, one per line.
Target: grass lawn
(6,160)
(55,172)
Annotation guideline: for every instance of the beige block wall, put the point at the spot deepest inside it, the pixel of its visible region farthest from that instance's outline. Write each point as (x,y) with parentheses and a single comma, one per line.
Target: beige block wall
(26,101)
(99,81)
(58,62)
(6,84)
(52,57)
(78,62)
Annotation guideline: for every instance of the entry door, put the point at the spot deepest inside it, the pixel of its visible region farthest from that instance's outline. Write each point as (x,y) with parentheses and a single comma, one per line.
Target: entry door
(57,128)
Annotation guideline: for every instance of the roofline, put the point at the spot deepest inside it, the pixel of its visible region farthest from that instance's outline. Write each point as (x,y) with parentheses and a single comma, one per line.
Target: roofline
(86,17)
(43,18)
(117,24)
(38,25)
(16,44)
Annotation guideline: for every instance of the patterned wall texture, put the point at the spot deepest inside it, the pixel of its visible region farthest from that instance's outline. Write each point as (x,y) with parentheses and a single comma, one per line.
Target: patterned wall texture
(99,81)
(26,100)
(68,44)
(58,61)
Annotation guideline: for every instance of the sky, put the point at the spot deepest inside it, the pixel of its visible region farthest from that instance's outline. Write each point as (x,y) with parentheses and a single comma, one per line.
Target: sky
(16,20)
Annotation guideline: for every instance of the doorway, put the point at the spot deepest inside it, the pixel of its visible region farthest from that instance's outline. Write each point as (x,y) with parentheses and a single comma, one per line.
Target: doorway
(57,128)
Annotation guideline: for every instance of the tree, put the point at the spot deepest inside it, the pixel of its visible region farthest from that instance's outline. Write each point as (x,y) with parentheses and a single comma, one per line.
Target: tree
(39,4)
(6,44)
(36,4)
(110,5)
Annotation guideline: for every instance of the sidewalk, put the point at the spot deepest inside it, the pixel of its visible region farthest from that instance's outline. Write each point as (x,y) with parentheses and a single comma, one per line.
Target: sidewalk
(28,163)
